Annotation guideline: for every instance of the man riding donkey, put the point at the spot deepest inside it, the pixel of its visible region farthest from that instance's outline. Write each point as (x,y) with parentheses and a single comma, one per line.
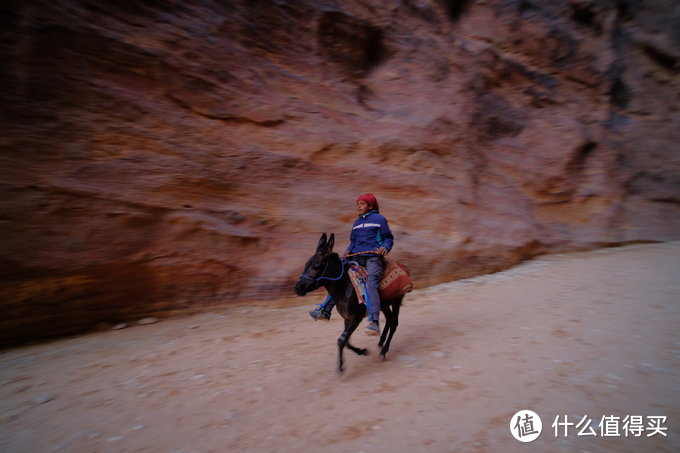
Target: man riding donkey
(370,240)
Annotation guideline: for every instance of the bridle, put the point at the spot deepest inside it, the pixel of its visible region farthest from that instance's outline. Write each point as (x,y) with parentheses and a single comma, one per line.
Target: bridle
(323,277)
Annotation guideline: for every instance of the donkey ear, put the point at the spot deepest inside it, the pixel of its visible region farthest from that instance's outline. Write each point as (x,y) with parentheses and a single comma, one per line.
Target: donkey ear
(331,242)
(322,243)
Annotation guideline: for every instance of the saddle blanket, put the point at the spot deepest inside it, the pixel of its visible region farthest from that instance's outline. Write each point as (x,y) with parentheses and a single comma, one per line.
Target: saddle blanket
(396,280)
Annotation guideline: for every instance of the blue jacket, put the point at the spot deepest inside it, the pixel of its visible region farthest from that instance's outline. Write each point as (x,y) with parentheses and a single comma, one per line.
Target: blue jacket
(370,232)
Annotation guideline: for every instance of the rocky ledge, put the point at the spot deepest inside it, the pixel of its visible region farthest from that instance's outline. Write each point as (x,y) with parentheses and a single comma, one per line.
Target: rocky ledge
(164,157)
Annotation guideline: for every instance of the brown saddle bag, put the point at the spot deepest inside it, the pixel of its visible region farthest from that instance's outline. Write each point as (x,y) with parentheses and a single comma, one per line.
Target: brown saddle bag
(396,280)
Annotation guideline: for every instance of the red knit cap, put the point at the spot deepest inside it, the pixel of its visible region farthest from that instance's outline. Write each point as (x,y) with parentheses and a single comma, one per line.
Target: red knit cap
(371,200)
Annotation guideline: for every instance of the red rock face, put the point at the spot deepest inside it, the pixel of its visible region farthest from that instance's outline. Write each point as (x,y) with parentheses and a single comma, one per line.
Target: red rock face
(170,156)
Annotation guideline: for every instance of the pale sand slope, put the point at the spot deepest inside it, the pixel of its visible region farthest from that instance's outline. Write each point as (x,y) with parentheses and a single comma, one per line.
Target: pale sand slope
(592,333)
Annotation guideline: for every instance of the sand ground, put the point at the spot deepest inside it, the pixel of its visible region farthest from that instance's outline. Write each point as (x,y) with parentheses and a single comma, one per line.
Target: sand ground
(583,334)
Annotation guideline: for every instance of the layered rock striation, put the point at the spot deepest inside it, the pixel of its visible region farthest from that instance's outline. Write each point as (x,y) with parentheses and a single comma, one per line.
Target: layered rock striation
(162,157)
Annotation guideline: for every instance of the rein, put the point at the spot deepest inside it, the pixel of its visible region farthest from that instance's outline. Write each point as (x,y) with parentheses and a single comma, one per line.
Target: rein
(342,268)
(361,253)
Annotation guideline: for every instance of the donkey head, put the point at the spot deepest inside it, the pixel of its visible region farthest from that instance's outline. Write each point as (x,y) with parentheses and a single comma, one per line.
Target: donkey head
(316,265)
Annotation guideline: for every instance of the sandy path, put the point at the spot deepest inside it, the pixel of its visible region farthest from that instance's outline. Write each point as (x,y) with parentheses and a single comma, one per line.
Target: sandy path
(579,334)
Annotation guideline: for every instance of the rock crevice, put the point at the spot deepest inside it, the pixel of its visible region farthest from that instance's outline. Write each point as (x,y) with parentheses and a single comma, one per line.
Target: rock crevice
(165,157)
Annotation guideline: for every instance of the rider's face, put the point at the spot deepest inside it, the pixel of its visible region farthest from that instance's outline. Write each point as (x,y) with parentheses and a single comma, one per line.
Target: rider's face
(362,207)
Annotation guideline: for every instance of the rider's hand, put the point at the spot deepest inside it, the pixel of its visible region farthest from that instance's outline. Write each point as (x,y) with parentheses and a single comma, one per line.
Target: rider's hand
(382,251)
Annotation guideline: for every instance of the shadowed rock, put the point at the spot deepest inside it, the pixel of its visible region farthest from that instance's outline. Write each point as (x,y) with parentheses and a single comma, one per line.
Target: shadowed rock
(165,157)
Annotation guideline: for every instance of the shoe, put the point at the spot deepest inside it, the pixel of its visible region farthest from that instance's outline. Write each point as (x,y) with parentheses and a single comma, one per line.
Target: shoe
(372,328)
(320,314)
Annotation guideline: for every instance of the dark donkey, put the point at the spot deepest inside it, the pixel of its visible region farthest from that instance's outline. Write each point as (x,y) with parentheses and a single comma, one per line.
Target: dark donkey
(327,269)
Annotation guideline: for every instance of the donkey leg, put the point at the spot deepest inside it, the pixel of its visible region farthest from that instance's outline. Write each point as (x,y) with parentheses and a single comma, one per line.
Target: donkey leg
(342,341)
(393,323)
(359,351)
(354,323)
(388,315)
(353,326)
(350,326)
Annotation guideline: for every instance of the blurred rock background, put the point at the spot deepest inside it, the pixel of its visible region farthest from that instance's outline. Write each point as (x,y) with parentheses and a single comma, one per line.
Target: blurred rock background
(161,157)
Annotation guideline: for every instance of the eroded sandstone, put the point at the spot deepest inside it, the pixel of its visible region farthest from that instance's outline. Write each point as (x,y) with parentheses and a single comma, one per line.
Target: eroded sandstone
(164,157)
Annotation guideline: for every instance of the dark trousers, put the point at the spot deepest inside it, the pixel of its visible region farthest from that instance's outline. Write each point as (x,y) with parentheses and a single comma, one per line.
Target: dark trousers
(375,267)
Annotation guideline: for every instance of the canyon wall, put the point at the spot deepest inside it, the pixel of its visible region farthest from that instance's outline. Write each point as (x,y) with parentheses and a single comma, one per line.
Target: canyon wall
(162,157)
